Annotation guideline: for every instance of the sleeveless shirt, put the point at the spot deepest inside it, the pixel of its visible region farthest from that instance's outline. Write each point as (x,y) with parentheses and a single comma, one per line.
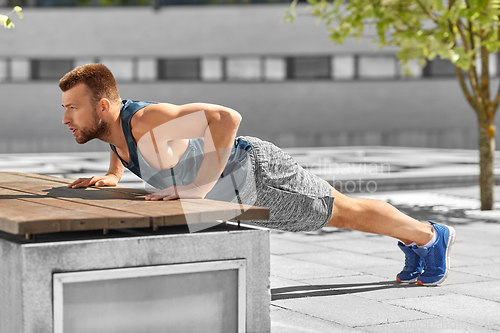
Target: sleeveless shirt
(186,170)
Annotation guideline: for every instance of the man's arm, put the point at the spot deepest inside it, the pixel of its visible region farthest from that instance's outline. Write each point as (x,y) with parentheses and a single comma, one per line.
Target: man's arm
(112,177)
(217,124)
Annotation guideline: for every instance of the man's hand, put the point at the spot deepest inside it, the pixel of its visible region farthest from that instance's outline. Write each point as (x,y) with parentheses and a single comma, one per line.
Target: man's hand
(107,180)
(178,192)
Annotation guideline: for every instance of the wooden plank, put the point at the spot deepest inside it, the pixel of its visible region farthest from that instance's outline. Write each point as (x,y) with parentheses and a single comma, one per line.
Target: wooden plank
(164,212)
(20,176)
(158,211)
(24,213)
(115,204)
(33,218)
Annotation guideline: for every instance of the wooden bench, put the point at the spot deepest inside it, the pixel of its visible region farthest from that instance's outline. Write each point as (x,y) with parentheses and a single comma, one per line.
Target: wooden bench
(55,241)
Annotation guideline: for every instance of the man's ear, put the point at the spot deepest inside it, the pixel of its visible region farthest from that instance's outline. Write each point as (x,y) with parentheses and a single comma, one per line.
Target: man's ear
(104,106)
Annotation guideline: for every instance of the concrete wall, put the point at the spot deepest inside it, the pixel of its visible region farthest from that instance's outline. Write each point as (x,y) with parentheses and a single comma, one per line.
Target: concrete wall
(172,30)
(415,113)
(407,112)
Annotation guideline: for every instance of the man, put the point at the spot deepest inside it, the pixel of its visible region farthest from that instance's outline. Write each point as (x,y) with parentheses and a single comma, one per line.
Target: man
(191,151)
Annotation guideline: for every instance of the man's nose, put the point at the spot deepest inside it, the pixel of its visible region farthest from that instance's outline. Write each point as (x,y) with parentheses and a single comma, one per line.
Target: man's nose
(65,119)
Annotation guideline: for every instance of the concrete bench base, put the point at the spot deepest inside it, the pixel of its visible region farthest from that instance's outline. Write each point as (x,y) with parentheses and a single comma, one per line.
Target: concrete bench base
(31,272)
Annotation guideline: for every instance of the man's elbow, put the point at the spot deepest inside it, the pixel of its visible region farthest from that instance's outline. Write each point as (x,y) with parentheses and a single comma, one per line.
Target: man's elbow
(233,116)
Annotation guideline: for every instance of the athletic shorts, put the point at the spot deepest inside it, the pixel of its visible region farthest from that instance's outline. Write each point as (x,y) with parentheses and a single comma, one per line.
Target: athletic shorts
(297,199)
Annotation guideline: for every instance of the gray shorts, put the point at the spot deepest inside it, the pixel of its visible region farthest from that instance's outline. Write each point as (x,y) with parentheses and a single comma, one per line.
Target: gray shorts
(297,199)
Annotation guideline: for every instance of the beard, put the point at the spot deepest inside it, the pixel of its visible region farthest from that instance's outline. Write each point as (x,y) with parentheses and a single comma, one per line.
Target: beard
(100,130)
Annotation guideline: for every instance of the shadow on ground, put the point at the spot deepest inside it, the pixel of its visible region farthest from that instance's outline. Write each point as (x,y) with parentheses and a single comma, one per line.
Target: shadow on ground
(333,289)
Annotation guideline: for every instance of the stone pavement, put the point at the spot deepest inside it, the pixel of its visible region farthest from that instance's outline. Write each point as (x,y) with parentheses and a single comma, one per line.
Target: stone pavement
(335,280)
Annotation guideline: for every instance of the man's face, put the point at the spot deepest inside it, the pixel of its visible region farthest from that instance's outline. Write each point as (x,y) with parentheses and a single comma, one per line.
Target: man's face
(81,116)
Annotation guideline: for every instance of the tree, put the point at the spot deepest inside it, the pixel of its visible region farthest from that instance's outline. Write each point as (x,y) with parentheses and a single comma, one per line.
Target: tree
(464,31)
(6,22)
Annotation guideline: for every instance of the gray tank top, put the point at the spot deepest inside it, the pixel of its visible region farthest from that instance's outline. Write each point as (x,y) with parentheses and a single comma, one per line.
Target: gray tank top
(185,171)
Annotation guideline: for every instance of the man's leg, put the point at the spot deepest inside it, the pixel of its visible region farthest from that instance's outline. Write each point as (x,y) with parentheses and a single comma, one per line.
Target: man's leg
(433,242)
(378,217)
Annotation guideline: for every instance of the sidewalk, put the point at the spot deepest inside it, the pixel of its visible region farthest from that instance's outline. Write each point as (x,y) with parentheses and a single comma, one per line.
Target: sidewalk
(335,280)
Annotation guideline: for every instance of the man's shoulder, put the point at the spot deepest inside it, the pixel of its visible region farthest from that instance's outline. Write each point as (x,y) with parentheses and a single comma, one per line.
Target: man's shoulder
(150,116)
(134,105)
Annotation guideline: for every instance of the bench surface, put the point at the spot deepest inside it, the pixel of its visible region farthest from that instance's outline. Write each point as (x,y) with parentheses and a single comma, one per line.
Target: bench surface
(35,204)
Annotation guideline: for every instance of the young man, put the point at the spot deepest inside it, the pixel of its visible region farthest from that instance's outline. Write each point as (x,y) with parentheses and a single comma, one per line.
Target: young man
(191,151)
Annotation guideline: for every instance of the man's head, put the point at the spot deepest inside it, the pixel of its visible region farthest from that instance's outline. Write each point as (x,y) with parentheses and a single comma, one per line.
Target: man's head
(98,79)
(89,93)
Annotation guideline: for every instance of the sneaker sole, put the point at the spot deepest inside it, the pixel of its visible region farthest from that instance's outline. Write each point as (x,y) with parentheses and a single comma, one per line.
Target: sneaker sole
(408,281)
(451,242)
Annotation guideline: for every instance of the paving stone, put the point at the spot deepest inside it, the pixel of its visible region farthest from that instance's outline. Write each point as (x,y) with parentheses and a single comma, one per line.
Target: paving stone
(299,269)
(490,271)
(439,324)
(489,290)
(403,291)
(343,259)
(483,250)
(324,234)
(457,277)
(340,281)
(388,272)
(461,260)
(396,255)
(478,233)
(284,246)
(469,309)
(350,310)
(373,287)
(280,282)
(363,245)
(286,321)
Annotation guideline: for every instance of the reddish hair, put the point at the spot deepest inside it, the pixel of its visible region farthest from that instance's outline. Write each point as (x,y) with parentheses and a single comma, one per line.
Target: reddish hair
(99,81)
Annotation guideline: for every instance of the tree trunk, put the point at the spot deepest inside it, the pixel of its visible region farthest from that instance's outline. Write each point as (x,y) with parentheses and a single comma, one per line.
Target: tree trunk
(486,163)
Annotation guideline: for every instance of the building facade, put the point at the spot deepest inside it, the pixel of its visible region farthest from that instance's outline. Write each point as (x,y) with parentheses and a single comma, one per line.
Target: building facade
(289,82)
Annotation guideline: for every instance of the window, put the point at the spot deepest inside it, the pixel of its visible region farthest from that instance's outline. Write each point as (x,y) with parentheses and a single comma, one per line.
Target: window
(377,67)
(344,67)
(308,68)
(439,67)
(179,69)
(122,69)
(415,71)
(275,69)
(50,69)
(243,68)
(211,69)
(147,69)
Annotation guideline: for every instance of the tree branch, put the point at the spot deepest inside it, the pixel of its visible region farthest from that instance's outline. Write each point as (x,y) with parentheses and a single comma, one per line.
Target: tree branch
(460,29)
(485,71)
(461,80)
(472,73)
(428,12)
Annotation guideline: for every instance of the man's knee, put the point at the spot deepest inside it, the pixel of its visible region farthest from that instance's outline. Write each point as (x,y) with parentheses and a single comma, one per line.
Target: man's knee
(344,210)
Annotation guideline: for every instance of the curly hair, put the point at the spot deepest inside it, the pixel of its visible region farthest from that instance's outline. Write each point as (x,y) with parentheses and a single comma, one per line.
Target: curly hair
(99,81)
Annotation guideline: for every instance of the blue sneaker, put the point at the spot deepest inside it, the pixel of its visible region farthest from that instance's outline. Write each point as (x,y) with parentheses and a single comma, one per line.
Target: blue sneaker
(413,265)
(437,257)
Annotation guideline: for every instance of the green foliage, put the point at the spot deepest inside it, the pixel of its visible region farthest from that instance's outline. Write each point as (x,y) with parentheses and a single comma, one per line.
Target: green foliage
(422,29)
(6,22)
